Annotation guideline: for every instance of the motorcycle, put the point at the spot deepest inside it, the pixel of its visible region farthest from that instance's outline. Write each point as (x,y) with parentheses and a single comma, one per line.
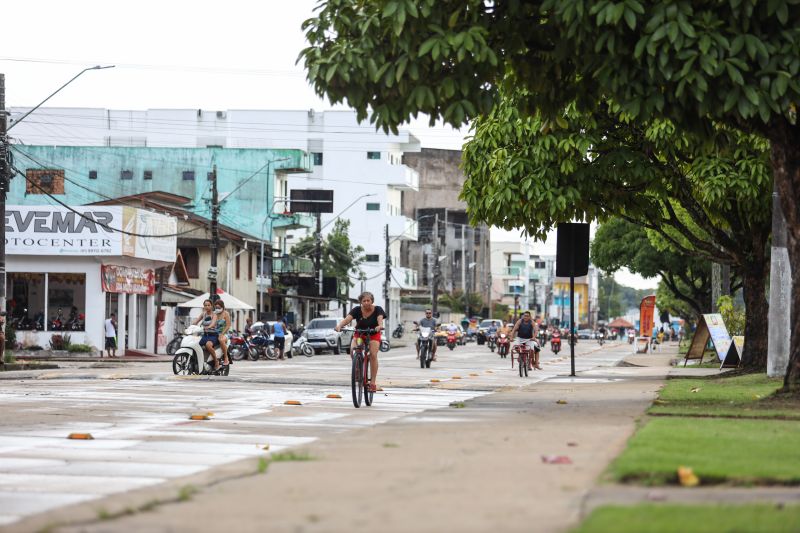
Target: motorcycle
(601,338)
(503,344)
(263,346)
(385,346)
(301,346)
(631,337)
(398,331)
(451,340)
(425,341)
(192,358)
(555,343)
(492,341)
(239,347)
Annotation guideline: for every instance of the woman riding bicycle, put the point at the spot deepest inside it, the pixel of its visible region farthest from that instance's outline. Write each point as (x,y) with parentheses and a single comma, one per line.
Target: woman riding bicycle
(367,316)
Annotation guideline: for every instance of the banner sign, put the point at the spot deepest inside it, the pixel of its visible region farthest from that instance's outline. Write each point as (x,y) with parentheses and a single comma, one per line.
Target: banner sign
(711,327)
(128,280)
(89,231)
(647,310)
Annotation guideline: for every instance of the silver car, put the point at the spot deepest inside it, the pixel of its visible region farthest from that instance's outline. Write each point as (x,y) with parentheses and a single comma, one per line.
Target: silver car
(321,336)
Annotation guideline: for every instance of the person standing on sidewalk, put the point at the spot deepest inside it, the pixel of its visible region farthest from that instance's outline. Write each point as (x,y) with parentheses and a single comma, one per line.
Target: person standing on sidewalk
(527,330)
(279,337)
(111,335)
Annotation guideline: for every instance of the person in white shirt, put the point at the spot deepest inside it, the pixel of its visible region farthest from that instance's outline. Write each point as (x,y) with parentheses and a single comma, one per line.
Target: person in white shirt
(111,336)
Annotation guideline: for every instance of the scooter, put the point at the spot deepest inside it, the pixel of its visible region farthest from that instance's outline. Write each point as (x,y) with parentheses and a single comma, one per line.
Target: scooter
(451,340)
(301,346)
(503,343)
(555,342)
(425,341)
(192,358)
(492,341)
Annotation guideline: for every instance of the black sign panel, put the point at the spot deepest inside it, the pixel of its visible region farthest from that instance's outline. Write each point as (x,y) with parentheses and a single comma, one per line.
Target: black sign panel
(572,250)
(311,201)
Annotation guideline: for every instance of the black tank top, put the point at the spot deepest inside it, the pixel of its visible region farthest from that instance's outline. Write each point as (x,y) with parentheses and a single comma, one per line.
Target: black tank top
(525,330)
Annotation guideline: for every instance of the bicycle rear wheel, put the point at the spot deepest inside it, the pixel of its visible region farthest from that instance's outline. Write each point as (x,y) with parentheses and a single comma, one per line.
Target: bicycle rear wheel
(368,395)
(356,378)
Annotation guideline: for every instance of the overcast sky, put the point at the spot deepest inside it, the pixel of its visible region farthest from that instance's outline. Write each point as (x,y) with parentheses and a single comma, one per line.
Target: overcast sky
(194,54)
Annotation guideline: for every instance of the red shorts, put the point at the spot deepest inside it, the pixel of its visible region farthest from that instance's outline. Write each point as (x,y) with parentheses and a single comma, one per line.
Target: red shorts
(376,337)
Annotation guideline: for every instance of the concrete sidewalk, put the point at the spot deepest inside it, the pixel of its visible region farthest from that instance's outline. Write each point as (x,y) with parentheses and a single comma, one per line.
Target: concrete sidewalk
(475,468)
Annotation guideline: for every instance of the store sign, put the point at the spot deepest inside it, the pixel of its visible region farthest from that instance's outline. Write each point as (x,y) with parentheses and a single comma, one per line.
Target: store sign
(81,230)
(128,280)
(646,319)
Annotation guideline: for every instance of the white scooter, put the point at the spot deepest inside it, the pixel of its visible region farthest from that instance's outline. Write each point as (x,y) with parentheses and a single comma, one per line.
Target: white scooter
(192,358)
(301,346)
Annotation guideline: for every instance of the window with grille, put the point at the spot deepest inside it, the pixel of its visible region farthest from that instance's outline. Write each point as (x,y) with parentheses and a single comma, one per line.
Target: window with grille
(148,174)
(188,175)
(126,175)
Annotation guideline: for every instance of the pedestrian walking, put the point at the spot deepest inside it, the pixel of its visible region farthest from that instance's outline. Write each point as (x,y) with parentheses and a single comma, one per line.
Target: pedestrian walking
(111,335)
(279,337)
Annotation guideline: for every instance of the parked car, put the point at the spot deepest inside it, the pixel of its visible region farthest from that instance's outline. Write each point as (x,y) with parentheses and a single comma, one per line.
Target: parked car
(585,334)
(288,338)
(322,337)
(441,335)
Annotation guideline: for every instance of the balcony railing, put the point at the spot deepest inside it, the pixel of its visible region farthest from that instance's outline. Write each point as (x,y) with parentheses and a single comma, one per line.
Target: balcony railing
(402,228)
(404,278)
(292,265)
(401,177)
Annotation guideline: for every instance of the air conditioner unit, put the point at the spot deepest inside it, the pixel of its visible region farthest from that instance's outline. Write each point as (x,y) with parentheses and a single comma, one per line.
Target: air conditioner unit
(222,115)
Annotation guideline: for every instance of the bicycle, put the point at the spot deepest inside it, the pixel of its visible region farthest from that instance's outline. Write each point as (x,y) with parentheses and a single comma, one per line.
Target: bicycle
(359,376)
(523,352)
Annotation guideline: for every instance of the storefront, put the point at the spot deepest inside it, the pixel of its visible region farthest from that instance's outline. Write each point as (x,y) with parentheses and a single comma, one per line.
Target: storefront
(69,269)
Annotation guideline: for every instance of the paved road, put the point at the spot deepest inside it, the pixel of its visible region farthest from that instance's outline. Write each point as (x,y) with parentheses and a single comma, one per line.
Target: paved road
(139,414)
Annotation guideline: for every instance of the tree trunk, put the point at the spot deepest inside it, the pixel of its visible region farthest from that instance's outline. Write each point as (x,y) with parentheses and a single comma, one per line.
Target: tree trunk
(756,328)
(785,158)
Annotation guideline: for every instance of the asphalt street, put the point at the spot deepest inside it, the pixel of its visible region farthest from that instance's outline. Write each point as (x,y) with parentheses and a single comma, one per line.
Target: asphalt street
(138,415)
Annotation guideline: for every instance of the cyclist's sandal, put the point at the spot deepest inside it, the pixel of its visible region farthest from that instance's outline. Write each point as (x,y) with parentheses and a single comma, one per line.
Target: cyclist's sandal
(373,387)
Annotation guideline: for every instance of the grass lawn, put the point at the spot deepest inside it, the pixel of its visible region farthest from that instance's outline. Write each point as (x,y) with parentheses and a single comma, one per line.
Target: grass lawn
(737,451)
(651,518)
(748,395)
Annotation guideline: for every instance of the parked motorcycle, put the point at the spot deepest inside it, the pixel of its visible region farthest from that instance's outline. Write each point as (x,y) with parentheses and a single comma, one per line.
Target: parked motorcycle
(385,346)
(175,343)
(263,345)
(503,345)
(192,358)
(425,341)
(398,331)
(555,342)
(301,346)
(239,347)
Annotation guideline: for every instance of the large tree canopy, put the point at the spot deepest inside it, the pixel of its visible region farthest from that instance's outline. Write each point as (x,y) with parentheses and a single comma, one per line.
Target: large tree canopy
(731,61)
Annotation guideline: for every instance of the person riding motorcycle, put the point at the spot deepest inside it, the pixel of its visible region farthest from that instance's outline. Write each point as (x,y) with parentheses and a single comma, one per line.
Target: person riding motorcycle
(427,322)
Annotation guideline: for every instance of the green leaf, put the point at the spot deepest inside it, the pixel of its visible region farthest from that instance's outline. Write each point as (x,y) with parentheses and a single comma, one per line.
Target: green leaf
(453,20)
(751,94)
(390,9)
(427,45)
(630,18)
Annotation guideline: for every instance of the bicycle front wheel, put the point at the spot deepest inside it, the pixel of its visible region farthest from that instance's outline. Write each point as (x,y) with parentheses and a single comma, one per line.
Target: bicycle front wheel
(368,395)
(356,378)
(522,364)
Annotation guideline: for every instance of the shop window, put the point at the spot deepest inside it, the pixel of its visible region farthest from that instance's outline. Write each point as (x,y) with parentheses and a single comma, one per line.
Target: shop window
(66,301)
(191,258)
(373,155)
(26,301)
(373,207)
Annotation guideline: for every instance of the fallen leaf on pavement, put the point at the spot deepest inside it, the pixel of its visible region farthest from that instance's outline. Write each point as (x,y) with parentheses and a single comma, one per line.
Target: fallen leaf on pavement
(686,477)
(556,460)
(696,389)
(561,402)
(573,444)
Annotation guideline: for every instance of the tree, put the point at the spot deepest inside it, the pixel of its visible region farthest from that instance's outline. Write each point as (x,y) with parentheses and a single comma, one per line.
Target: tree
(736,62)
(618,243)
(455,301)
(339,258)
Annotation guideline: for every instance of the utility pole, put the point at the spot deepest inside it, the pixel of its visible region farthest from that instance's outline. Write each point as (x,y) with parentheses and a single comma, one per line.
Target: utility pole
(212,272)
(318,257)
(387,282)
(464,264)
(4,183)
(436,269)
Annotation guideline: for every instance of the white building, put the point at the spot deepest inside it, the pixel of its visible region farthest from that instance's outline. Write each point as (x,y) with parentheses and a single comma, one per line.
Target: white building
(58,260)
(362,166)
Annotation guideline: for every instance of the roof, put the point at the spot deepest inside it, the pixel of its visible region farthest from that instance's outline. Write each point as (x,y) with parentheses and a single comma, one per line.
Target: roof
(620,323)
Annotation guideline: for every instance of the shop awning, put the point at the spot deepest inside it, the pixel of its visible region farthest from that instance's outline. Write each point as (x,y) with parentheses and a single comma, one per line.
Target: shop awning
(620,323)
(230,301)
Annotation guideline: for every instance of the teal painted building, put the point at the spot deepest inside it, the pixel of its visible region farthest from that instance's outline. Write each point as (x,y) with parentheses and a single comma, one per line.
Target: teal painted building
(248,179)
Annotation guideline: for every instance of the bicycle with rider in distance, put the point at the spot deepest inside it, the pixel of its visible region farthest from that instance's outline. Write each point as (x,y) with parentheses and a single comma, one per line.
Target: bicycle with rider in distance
(359,377)
(524,353)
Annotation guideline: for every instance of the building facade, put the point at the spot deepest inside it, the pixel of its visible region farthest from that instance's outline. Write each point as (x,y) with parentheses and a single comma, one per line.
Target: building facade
(448,245)
(363,167)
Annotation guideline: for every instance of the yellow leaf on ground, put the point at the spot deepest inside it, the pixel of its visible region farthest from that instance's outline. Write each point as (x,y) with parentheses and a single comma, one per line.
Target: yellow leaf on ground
(686,477)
